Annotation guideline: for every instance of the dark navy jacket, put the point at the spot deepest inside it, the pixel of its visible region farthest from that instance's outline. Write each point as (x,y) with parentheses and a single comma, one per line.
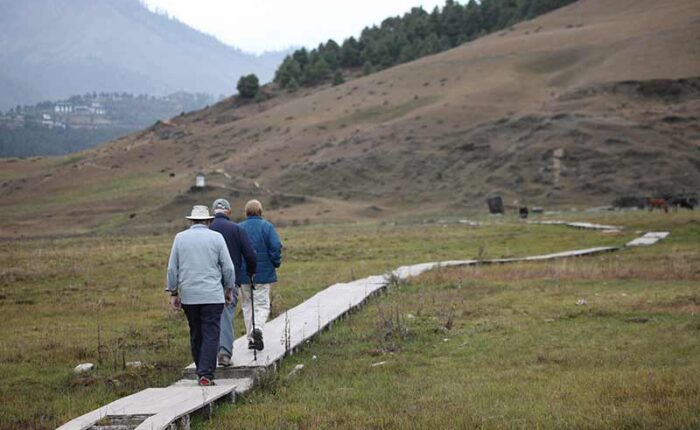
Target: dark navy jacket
(238,244)
(268,248)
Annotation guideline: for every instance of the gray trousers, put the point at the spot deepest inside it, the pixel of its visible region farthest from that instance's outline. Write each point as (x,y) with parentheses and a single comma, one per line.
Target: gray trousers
(226,331)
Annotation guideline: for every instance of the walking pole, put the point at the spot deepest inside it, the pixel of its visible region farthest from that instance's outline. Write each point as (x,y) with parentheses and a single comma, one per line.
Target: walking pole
(252,313)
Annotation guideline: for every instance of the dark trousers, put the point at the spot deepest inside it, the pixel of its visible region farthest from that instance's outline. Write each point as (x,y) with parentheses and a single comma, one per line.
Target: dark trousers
(204,323)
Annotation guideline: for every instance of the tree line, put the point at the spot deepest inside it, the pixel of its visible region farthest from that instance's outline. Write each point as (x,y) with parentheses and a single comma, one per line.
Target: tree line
(405,38)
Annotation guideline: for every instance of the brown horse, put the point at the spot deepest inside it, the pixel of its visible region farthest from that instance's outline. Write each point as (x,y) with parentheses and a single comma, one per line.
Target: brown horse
(657,204)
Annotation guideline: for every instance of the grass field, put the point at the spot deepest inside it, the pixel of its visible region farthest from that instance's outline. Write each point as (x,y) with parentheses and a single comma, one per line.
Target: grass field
(519,352)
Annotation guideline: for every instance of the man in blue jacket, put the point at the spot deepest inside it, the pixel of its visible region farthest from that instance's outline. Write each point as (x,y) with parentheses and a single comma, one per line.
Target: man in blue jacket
(239,248)
(268,249)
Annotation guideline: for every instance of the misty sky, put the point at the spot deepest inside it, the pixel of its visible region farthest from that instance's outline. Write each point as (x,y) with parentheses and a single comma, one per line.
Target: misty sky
(265,25)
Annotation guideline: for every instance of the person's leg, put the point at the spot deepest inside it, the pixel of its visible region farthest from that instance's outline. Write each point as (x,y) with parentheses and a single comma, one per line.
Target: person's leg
(262,304)
(210,317)
(247,314)
(192,312)
(226,336)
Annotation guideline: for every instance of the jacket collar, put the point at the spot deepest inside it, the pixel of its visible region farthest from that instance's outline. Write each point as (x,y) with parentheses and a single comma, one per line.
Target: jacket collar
(254,217)
(196,226)
(221,215)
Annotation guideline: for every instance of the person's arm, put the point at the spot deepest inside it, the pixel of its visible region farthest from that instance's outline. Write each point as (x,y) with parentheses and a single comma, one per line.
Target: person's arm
(248,252)
(171,279)
(228,273)
(274,246)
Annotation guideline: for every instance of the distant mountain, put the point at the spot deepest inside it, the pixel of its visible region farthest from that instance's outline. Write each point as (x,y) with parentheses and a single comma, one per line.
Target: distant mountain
(51,49)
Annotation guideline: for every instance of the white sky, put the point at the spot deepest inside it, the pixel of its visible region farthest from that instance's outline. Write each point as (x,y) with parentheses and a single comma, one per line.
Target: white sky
(266,25)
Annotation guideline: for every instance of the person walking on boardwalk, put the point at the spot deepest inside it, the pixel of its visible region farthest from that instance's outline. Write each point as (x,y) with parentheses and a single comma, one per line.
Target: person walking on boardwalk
(268,248)
(200,280)
(239,248)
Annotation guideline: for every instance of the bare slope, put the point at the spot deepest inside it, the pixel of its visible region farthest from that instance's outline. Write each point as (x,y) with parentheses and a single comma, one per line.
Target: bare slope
(591,101)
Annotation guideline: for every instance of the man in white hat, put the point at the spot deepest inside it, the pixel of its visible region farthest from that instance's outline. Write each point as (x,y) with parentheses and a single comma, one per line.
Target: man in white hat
(200,280)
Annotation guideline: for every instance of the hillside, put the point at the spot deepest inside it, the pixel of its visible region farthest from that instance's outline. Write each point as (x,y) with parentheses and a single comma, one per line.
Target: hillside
(581,105)
(52,49)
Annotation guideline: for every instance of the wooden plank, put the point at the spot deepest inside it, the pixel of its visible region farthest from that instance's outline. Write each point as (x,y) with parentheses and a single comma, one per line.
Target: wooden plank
(582,225)
(649,239)
(165,405)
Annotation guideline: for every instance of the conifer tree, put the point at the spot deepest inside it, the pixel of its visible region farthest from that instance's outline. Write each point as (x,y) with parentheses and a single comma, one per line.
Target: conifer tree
(248,86)
(292,86)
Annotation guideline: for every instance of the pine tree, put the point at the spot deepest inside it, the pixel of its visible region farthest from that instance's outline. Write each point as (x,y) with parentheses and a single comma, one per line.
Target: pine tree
(338,78)
(292,86)
(248,86)
(415,34)
(318,71)
(289,69)
(302,58)
(350,53)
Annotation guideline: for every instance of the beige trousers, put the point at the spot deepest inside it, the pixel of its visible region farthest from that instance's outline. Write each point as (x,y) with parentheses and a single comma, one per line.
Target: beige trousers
(261,297)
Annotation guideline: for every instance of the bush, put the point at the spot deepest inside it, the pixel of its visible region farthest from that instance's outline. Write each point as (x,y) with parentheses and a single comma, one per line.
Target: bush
(248,86)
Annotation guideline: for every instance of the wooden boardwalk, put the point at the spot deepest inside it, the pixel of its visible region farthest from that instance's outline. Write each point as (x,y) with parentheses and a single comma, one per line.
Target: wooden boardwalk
(581,225)
(170,407)
(649,239)
(154,408)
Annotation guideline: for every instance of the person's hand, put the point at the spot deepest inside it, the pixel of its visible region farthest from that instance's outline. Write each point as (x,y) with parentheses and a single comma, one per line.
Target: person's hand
(175,303)
(228,296)
(236,290)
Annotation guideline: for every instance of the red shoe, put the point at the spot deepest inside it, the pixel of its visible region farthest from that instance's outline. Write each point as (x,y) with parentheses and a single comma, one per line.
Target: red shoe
(206,382)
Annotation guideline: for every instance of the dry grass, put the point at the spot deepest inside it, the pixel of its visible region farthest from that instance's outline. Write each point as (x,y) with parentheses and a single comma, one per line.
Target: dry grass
(676,265)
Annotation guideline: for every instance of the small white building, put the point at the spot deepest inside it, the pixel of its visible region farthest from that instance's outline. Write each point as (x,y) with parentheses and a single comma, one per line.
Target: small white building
(46,121)
(63,108)
(200,180)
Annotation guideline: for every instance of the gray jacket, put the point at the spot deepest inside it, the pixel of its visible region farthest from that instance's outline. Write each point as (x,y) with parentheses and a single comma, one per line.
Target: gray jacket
(200,266)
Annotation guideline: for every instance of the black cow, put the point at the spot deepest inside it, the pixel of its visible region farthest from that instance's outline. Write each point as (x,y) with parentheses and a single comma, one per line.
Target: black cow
(683,202)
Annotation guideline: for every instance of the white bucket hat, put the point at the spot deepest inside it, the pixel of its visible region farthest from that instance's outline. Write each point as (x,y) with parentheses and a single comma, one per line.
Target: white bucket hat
(199,213)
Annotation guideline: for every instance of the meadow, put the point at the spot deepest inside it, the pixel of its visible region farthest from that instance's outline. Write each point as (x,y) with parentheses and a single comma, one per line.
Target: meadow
(489,347)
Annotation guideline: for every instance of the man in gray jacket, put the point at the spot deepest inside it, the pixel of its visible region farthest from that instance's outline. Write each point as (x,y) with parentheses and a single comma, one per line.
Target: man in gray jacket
(200,280)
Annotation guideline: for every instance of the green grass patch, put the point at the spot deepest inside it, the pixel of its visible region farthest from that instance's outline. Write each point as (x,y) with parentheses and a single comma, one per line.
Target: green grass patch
(519,353)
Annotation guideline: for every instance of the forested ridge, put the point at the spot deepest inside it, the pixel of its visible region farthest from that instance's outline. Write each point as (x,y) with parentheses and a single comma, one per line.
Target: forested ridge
(405,38)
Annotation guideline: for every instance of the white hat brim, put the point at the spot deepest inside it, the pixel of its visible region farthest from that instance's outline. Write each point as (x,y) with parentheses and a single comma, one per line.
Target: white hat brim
(196,218)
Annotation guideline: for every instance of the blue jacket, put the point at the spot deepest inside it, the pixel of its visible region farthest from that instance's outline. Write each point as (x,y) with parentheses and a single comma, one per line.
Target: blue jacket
(268,247)
(237,242)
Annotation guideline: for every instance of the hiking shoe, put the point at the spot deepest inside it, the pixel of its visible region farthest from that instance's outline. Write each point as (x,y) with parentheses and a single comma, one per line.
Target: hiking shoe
(258,339)
(205,382)
(224,360)
(251,344)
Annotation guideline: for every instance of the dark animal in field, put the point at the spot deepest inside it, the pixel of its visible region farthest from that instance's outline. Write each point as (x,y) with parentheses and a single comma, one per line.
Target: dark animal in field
(657,204)
(524,212)
(683,202)
(495,203)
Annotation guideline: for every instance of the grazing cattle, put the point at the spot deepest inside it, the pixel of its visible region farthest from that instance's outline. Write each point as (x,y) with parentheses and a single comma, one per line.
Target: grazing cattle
(657,204)
(524,212)
(683,202)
